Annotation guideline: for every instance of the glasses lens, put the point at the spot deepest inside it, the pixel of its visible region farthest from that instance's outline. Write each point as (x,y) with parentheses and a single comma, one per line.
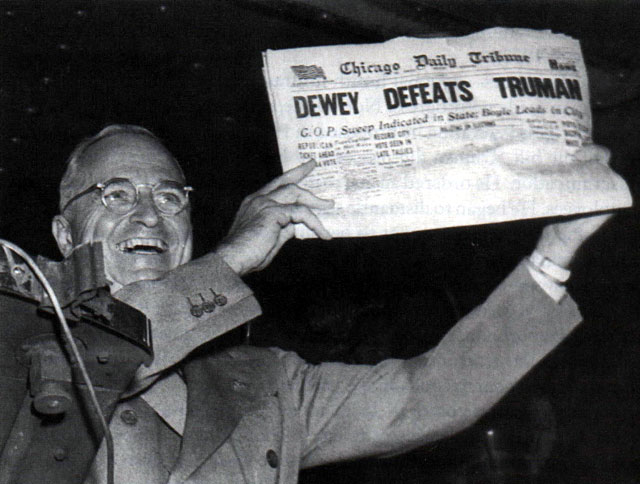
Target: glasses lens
(119,196)
(170,197)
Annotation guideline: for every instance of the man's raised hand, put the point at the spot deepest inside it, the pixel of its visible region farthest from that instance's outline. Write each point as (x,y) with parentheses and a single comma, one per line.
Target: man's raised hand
(265,221)
(560,241)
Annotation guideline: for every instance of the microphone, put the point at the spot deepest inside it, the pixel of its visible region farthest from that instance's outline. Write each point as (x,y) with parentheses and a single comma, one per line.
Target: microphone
(68,350)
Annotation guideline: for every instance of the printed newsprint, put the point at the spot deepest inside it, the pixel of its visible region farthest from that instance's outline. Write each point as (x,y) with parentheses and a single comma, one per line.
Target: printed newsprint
(415,134)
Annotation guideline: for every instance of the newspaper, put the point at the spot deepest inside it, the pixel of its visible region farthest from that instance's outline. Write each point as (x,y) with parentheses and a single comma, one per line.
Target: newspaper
(415,134)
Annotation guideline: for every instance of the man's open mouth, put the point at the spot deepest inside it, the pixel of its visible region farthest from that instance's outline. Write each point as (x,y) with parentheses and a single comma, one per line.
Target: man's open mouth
(144,246)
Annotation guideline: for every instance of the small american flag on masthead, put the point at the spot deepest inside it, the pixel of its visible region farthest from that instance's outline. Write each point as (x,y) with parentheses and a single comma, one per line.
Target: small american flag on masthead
(308,72)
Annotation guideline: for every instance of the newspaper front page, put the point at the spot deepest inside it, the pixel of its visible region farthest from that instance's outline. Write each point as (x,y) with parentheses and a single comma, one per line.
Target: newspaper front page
(415,134)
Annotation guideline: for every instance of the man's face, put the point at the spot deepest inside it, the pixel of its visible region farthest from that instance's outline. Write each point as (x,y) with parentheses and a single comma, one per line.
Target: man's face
(144,243)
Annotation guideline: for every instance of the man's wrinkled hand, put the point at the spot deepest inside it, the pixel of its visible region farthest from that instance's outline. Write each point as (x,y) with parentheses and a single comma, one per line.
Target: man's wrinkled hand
(265,221)
(559,242)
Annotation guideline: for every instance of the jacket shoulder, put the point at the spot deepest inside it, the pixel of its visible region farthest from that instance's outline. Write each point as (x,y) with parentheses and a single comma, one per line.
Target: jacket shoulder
(248,369)
(247,352)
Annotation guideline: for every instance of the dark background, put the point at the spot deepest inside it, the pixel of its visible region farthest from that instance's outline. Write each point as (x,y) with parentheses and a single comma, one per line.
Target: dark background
(191,73)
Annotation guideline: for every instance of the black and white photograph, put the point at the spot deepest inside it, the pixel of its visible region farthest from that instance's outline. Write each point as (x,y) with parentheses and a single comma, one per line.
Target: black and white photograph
(319,242)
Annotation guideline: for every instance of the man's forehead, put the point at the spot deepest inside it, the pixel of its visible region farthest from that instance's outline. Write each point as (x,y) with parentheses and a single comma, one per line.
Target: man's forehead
(130,154)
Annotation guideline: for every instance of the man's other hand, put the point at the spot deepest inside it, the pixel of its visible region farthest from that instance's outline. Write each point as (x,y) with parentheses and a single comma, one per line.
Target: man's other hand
(559,242)
(265,221)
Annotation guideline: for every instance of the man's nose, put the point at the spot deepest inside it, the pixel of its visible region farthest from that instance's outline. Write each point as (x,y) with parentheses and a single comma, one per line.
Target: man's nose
(145,211)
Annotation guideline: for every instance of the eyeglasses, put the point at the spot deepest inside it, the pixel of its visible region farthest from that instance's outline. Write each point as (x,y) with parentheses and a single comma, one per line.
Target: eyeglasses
(120,195)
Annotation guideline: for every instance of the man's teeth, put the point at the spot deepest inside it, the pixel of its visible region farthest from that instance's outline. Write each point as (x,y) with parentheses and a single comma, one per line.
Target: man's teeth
(142,246)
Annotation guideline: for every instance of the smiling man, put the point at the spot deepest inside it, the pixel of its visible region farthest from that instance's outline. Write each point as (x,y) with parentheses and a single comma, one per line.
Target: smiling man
(125,189)
(242,414)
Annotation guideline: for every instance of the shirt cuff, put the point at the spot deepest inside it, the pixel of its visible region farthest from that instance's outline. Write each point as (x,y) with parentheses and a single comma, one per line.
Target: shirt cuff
(548,275)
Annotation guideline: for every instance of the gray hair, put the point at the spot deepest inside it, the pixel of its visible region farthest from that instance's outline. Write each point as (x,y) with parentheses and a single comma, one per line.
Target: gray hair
(74,176)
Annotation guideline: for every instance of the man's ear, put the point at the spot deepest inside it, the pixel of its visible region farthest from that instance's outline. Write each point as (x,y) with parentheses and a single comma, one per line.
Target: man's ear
(62,233)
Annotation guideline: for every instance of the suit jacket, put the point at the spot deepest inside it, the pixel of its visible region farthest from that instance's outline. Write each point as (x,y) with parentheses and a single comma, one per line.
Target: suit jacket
(258,415)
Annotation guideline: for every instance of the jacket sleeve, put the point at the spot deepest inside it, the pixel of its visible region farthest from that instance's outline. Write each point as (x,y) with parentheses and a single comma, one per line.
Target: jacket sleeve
(191,305)
(351,411)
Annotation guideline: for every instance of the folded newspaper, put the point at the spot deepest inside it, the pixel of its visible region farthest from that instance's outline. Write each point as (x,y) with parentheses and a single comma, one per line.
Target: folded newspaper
(415,134)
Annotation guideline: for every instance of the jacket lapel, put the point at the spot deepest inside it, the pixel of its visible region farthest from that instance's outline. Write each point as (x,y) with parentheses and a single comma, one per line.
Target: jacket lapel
(220,392)
(211,418)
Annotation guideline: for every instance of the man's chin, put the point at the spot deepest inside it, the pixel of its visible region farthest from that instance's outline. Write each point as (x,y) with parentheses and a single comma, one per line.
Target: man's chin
(146,274)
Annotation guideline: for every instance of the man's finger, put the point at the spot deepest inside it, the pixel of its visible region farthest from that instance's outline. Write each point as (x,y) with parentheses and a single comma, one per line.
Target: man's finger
(294,175)
(300,214)
(593,152)
(293,194)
